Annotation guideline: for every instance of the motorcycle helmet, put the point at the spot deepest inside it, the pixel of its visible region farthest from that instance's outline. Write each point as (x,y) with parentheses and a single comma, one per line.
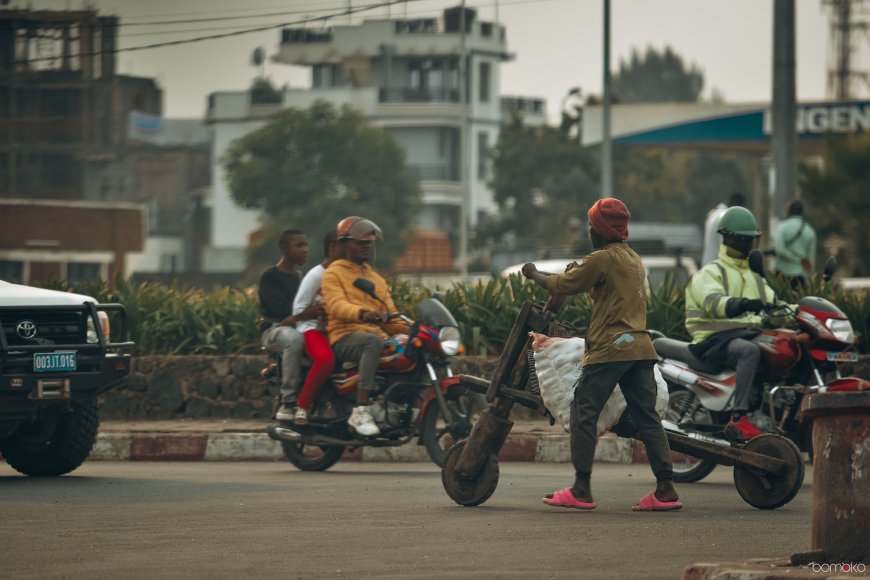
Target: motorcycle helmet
(738,221)
(357,228)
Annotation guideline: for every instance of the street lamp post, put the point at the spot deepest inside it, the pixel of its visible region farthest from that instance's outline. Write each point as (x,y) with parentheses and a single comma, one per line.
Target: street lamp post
(606,144)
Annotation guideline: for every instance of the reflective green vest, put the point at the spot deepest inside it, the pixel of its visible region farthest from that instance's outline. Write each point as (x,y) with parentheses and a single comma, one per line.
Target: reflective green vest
(709,290)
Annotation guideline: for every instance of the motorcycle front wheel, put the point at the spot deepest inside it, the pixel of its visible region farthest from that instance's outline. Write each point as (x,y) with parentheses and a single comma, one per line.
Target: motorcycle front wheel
(315,457)
(435,434)
(688,469)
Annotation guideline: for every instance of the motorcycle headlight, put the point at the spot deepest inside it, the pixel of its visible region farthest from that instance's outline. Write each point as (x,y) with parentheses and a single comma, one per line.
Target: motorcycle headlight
(450,339)
(841,329)
(104,324)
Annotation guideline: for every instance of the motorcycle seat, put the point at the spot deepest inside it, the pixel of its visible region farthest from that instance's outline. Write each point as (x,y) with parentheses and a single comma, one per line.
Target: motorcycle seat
(679,350)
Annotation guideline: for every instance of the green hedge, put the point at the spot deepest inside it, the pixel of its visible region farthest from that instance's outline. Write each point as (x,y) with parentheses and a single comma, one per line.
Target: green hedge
(171,320)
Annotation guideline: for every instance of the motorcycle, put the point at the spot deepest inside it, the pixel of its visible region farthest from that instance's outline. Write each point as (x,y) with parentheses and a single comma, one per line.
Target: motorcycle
(416,388)
(794,364)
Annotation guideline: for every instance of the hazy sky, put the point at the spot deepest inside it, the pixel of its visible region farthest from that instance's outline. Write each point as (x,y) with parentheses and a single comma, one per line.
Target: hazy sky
(557,43)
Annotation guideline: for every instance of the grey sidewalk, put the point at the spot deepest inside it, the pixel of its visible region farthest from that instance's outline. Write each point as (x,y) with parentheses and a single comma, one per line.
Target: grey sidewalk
(236,440)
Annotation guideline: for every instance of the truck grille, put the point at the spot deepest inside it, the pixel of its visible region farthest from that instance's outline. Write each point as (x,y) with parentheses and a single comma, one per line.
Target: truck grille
(52,328)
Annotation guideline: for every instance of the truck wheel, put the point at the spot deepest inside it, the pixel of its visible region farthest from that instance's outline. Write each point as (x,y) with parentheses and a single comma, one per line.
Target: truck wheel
(56,443)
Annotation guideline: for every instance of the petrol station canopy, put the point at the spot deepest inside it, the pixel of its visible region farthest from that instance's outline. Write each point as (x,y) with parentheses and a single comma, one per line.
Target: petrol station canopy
(739,127)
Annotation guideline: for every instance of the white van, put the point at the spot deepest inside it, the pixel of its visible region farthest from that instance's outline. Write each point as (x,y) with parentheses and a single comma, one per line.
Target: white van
(656,268)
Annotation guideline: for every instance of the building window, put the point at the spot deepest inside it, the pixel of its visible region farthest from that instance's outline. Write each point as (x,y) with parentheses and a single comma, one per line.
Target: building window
(324,76)
(12,271)
(482,154)
(484,82)
(83,272)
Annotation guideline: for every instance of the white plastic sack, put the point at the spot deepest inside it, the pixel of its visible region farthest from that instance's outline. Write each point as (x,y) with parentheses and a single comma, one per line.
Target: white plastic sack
(558,364)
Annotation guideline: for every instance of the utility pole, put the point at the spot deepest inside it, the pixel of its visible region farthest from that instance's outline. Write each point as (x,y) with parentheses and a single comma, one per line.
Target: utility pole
(465,208)
(606,143)
(784,113)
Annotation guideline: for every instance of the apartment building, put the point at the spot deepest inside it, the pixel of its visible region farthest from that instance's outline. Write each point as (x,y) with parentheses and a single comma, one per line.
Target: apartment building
(403,74)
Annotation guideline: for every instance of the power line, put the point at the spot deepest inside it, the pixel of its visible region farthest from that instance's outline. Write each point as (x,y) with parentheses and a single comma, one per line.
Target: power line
(220,18)
(345,12)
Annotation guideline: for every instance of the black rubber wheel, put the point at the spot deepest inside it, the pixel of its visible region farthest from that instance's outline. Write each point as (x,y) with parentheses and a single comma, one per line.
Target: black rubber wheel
(688,469)
(56,443)
(314,457)
(467,492)
(781,488)
(465,407)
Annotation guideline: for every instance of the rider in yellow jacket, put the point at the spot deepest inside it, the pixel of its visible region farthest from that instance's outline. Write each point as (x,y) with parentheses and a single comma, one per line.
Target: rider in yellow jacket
(724,301)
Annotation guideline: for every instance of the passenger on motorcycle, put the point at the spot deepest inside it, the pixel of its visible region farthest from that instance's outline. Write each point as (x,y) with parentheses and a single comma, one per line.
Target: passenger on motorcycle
(619,349)
(357,322)
(723,304)
(314,330)
(277,290)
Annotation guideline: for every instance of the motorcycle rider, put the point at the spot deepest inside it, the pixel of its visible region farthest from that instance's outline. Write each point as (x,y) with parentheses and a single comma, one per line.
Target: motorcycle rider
(314,332)
(356,322)
(277,289)
(619,349)
(723,304)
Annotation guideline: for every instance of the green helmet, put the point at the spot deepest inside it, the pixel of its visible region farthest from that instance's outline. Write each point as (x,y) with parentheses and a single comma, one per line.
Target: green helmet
(738,221)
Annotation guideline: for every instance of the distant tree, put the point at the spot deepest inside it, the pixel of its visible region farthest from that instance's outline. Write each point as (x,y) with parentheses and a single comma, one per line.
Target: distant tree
(307,169)
(541,178)
(837,200)
(657,77)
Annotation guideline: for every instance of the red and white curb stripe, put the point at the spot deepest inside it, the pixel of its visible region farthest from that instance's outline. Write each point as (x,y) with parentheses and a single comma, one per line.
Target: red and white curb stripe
(146,446)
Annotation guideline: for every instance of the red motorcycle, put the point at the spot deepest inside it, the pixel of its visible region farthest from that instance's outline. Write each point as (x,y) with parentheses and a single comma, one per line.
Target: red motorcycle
(415,386)
(794,363)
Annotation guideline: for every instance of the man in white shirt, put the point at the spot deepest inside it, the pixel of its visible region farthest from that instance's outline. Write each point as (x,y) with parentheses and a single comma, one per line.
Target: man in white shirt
(314,330)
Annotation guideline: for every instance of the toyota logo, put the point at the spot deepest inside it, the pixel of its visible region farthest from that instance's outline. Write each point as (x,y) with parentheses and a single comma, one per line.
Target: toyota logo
(26,329)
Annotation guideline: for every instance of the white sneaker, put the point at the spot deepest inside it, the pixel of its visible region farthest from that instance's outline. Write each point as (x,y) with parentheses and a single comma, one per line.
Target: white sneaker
(361,421)
(285,413)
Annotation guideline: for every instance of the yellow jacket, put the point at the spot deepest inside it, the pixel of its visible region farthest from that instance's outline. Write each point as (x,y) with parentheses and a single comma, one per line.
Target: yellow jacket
(344,302)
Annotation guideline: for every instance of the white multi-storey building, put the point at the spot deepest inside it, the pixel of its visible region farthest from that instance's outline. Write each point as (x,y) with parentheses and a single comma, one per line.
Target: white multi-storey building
(404,76)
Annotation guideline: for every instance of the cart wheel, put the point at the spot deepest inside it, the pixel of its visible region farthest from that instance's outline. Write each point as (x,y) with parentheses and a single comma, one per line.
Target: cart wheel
(464,491)
(765,490)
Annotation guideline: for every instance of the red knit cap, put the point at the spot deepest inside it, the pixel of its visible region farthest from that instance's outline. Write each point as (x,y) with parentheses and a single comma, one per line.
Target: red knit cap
(609,217)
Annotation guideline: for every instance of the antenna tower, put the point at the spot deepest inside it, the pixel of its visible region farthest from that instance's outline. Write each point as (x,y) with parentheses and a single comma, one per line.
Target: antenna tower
(849,40)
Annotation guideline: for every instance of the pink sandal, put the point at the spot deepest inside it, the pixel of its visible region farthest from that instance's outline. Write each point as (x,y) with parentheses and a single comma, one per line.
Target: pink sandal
(564,498)
(650,503)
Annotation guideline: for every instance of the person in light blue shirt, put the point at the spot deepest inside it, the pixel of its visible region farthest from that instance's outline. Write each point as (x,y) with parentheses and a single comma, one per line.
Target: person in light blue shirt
(795,244)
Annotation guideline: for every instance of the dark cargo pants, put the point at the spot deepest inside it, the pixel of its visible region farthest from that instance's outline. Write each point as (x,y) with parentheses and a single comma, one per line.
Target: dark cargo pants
(594,387)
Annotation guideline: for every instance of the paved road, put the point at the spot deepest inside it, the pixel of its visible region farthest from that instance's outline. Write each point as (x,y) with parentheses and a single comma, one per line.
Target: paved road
(267,520)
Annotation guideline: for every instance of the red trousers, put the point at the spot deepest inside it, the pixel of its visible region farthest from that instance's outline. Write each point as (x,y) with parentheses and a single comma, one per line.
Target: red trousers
(323,362)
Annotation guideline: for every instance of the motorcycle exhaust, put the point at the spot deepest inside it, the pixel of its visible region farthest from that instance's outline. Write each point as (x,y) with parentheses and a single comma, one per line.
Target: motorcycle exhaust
(677,374)
(281,434)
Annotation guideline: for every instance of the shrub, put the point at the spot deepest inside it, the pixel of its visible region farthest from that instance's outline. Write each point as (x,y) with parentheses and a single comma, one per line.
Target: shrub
(172,320)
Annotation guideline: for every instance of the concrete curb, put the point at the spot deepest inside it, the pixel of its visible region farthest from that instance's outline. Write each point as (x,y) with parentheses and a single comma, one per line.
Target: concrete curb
(256,446)
(763,569)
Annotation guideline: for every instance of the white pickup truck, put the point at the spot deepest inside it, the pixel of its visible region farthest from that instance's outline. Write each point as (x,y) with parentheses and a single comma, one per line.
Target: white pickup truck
(56,357)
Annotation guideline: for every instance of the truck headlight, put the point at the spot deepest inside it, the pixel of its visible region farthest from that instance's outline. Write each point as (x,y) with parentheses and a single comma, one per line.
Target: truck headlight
(451,340)
(104,325)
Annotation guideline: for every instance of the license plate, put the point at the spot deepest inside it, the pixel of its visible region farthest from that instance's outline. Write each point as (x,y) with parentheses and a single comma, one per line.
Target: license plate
(842,356)
(52,362)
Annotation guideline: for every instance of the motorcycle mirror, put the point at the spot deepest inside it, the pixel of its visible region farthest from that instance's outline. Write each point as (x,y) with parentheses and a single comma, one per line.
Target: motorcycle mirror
(366,286)
(756,262)
(830,266)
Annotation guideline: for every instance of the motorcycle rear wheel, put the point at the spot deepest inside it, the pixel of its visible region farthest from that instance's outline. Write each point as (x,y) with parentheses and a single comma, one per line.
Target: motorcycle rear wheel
(314,457)
(687,469)
(464,407)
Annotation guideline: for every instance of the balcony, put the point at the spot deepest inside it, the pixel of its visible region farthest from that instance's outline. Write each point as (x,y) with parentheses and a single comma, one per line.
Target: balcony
(418,95)
(435,172)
